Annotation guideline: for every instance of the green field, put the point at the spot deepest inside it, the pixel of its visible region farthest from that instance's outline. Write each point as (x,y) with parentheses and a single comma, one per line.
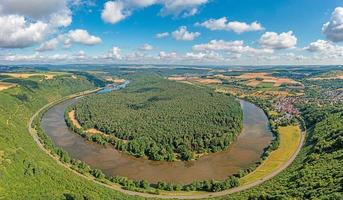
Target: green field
(265,85)
(163,120)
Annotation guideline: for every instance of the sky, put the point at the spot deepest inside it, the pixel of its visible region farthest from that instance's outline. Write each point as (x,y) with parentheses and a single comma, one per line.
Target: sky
(195,32)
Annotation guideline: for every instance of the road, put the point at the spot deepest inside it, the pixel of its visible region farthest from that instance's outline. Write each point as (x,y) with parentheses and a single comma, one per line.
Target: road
(118,188)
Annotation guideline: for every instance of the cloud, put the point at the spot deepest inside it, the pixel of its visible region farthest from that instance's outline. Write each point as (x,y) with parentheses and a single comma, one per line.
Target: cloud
(61,19)
(82,37)
(79,36)
(326,48)
(146,47)
(181,7)
(165,55)
(162,35)
(224,24)
(81,55)
(35,9)
(26,58)
(116,11)
(236,46)
(54,12)
(273,40)
(140,3)
(204,56)
(25,23)
(48,45)
(183,34)
(333,29)
(114,53)
(17,32)
(37,57)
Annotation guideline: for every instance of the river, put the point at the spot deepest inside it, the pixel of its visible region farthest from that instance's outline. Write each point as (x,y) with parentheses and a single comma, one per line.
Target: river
(245,151)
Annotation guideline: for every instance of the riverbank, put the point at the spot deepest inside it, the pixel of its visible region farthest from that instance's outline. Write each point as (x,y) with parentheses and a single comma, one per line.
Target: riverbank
(290,142)
(246,150)
(175,194)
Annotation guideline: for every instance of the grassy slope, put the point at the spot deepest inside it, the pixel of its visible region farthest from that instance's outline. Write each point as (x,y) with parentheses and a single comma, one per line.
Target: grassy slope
(25,171)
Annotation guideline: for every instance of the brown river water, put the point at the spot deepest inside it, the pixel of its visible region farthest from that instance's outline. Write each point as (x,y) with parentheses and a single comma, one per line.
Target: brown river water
(245,151)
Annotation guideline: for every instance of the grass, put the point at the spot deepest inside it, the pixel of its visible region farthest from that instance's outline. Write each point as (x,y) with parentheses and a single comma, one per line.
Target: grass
(265,85)
(290,137)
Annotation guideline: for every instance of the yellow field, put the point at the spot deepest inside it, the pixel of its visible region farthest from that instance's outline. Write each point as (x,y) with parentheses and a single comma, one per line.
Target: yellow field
(195,79)
(267,78)
(115,80)
(290,138)
(49,75)
(4,86)
(327,78)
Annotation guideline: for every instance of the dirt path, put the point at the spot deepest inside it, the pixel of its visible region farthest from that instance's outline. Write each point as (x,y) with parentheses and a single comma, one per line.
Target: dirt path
(118,188)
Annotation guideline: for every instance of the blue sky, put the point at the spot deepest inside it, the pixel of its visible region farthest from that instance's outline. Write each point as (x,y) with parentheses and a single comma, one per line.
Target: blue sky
(219,32)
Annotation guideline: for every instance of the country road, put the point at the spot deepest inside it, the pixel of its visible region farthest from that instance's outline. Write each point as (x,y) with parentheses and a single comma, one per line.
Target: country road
(145,195)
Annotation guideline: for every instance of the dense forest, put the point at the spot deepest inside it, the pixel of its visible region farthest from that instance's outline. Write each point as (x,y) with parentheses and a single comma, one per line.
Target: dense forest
(163,120)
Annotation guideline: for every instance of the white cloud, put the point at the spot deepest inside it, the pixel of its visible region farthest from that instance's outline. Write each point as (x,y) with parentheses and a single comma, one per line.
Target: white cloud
(273,40)
(325,48)
(220,45)
(114,53)
(334,28)
(139,3)
(181,7)
(61,19)
(36,9)
(25,23)
(146,47)
(83,37)
(17,32)
(183,34)
(23,58)
(224,24)
(166,55)
(162,35)
(204,56)
(54,12)
(48,45)
(115,11)
(236,46)
(319,45)
(81,55)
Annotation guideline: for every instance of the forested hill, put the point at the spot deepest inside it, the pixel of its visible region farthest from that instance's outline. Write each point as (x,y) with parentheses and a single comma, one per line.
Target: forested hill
(163,120)
(27,172)
(317,172)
